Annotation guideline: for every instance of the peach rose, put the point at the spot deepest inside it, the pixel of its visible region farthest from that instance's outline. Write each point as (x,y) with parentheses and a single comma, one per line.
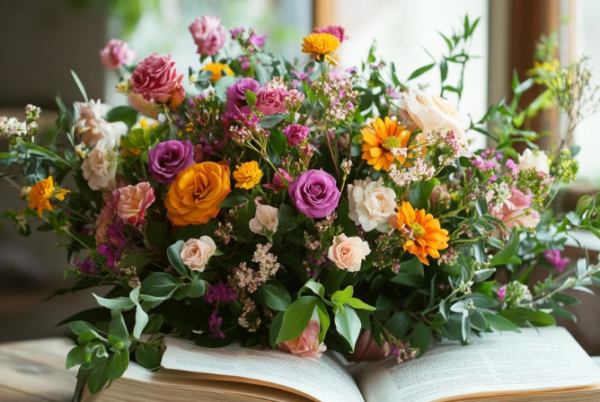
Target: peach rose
(147,108)
(429,113)
(348,252)
(265,218)
(195,253)
(307,344)
(132,202)
(517,211)
(196,193)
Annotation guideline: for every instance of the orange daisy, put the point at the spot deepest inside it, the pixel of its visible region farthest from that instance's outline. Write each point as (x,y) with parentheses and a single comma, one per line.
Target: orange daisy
(379,139)
(424,235)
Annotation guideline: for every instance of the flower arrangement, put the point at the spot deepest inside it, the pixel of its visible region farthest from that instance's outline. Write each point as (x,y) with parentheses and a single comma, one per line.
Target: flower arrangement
(306,208)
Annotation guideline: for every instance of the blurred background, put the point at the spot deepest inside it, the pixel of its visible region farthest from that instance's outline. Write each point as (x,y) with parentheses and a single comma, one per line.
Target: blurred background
(42,40)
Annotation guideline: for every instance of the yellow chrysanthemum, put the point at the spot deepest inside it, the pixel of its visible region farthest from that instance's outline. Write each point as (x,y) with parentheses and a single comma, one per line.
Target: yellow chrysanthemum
(424,235)
(379,139)
(217,70)
(42,192)
(320,45)
(247,175)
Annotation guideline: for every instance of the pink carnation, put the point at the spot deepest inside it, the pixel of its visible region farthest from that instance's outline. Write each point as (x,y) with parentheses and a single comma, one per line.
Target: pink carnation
(209,35)
(116,53)
(335,30)
(155,78)
(132,202)
(517,211)
(271,100)
(307,344)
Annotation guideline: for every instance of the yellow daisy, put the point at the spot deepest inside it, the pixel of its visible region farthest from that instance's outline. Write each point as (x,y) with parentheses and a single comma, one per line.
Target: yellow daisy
(42,192)
(217,70)
(320,45)
(379,139)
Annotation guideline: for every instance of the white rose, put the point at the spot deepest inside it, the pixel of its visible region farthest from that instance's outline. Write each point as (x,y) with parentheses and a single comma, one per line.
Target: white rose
(371,204)
(100,167)
(431,112)
(195,253)
(537,160)
(93,127)
(348,252)
(265,218)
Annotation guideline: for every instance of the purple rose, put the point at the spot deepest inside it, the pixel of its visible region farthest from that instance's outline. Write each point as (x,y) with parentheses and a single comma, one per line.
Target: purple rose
(315,193)
(236,95)
(169,158)
(209,35)
(295,134)
(271,100)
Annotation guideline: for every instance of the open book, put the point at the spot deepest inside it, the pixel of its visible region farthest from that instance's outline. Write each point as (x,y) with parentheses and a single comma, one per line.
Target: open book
(546,366)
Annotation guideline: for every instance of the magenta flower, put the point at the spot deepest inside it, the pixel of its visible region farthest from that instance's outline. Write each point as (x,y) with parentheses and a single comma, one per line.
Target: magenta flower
(169,158)
(554,258)
(258,41)
(281,181)
(236,96)
(219,292)
(116,53)
(214,325)
(335,30)
(209,35)
(502,293)
(295,134)
(315,193)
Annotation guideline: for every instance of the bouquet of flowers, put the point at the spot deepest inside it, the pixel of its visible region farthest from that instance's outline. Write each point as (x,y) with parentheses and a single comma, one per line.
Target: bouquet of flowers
(301,207)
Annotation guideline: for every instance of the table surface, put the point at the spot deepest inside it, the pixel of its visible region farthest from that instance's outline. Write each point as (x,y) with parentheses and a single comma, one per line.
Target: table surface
(34,371)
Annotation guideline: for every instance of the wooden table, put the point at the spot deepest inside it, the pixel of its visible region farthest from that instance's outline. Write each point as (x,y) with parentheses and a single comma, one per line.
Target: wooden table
(34,371)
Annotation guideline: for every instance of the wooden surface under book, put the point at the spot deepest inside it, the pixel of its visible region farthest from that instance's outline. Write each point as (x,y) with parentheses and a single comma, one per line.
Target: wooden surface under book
(33,371)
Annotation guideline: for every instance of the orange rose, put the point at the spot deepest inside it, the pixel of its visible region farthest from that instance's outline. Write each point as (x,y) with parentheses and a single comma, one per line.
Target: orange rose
(196,193)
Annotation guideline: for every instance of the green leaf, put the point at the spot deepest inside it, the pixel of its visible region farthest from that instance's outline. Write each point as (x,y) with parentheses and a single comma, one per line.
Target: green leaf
(97,378)
(195,288)
(296,318)
(126,114)
(221,87)
(481,301)
(80,86)
(237,197)
(275,328)
(420,71)
(174,256)
(118,303)
(420,193)
(398,324)
(508,254)
(413,266)
(77,327)
(324,320)
(278,142)
(421,338)
(147,356)
(117,330)
(272,120)
(483,274)
(342,297)
(159,284)
(359,304)
(77,356)
(499,323)
(276,298)
(523,316)
(316,287)
(287,217)
(250,98)
(261,74)
(141,320)
(117,364)
(348,325)
(155,322)
(478,320)
(405,279)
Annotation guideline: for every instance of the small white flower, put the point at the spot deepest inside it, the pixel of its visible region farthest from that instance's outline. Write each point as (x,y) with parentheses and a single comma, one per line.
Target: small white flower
(100,167)
(92,125)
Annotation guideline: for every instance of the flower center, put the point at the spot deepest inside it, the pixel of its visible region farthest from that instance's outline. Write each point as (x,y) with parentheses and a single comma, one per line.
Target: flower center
(391,143)
(417,229)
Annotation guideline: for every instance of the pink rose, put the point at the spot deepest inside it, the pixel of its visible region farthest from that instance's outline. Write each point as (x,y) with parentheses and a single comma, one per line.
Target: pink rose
(209,35)
(307,344)
(281,181)
(195,253)
(116,53)
(430,112)
(517,211)
(132,202)
(271,100)
(348,252)
(295,134)
(156,79)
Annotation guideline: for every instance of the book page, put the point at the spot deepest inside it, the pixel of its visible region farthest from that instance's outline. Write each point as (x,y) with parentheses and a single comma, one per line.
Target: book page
(492,363)
(324,379)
